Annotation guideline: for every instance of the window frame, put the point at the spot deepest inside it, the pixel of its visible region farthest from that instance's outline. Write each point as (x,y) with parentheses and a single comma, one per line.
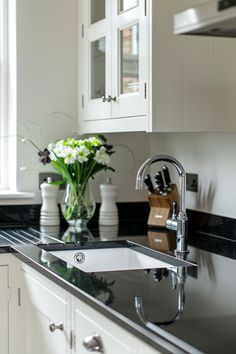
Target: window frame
(8,84)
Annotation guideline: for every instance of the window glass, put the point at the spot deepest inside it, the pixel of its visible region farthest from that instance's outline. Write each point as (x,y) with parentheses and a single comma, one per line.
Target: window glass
(125,5)
(129,59)
(97,10)
(98,68)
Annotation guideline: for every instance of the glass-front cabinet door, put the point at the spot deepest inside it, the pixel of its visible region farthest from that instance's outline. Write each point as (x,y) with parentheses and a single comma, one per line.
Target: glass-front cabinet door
(94,59)
(112,58)
(129,58)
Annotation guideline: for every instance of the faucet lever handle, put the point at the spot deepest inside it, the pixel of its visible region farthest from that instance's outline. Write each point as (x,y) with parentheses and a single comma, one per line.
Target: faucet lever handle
(174,211)
(171,223)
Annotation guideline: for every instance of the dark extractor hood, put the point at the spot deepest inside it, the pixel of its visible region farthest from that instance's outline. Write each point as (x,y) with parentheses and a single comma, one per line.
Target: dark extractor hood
(214,18)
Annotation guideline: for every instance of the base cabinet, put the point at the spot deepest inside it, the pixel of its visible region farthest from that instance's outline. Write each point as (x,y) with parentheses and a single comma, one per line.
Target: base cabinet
(45,315)
(94,330)
(4,304)
(50,320)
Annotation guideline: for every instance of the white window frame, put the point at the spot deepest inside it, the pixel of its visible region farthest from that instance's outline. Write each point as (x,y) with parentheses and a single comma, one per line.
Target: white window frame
(8,85)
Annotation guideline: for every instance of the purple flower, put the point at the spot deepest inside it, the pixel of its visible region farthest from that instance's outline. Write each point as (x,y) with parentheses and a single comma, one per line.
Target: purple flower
(108,148)
(44,156)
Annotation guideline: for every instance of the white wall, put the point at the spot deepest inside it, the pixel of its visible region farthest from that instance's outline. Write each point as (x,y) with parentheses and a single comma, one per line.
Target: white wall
(131,149)
(46,81)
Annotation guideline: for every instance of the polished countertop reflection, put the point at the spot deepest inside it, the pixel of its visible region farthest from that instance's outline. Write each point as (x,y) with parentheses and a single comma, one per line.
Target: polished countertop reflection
(196,304)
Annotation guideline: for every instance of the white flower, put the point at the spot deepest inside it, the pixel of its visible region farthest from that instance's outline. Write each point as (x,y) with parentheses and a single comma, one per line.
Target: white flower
(94,141)
(57,150)
(102,157)
(81,153)
(69,155)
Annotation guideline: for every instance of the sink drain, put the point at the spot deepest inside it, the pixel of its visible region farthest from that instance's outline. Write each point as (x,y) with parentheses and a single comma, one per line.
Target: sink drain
(79,257)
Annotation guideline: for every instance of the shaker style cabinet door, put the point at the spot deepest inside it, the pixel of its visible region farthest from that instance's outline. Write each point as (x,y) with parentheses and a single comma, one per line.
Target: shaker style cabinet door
(92,329)
(95,59)
(198,80)
(225,85)
(4,310)
(112,65)
(45,315)
(129,58)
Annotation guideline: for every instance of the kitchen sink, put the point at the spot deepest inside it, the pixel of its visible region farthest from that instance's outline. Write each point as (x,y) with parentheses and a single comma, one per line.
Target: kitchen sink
(117,259)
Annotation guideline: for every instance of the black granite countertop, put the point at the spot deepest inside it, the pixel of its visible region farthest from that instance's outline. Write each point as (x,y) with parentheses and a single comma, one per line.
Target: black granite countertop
(206,293)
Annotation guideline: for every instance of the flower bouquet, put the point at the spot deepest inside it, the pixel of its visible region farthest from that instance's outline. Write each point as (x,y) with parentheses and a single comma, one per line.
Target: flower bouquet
(77,160)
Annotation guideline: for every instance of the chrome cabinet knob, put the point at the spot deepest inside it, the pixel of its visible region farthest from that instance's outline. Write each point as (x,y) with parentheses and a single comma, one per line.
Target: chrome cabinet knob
(53,326)
(93,343)
(108,98)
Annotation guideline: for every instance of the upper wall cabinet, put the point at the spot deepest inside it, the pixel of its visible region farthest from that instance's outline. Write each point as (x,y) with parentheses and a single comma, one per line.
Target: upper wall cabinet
(113,65)
(136,75)
(198,80)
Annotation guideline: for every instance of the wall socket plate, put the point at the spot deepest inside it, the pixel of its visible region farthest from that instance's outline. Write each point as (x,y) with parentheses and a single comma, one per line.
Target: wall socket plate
(192,182)
(55,177)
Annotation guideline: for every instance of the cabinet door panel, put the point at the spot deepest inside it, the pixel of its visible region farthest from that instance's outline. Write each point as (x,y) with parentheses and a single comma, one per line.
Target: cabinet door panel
(114,339)
(198,81)
(4,310)
(225,85)
(44,305)
(167,62)
(95,63)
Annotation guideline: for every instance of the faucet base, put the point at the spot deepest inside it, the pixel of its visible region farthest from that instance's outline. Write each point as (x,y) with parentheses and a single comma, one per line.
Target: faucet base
(181,254)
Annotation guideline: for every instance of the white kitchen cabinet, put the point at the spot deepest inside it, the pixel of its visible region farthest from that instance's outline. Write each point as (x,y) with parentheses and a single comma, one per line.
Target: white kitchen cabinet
(209,82)
(91,327)
(43,306)
(4,304)
(198,80)
(225,85)
(167,94)
(113,65)
(182,84)
(39,302)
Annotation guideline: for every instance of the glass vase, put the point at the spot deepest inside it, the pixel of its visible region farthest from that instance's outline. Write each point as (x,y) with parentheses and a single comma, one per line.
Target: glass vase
(78,205)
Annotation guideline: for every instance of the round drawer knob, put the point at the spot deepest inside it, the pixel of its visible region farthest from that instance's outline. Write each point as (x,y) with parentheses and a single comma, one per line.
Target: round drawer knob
(53,326)
(93,343)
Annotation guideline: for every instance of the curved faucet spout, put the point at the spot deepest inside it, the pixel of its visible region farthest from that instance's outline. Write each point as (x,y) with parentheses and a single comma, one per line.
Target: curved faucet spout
(181,228)
(174,162)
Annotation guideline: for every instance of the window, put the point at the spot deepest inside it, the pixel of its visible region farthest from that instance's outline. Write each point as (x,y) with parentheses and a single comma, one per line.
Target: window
(7,95)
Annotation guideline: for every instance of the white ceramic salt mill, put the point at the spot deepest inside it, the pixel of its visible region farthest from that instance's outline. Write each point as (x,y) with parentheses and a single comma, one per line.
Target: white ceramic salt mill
(108,213)
(49,213)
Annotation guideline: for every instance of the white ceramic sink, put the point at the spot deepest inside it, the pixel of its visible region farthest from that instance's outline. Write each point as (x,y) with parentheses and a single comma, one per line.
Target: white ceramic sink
(109,259)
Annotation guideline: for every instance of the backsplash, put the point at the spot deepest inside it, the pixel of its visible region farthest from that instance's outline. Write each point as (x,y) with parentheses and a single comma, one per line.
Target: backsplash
(133,215)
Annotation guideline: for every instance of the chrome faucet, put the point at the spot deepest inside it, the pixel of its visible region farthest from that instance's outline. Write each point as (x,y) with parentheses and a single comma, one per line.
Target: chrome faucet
(176,223)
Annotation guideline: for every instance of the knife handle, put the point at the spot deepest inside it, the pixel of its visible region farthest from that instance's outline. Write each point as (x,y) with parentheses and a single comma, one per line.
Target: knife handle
(166,175)
(159,181)
(147,180)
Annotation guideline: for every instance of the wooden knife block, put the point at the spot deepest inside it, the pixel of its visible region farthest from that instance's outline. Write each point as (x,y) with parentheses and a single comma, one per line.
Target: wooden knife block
(161,207)
(162,240)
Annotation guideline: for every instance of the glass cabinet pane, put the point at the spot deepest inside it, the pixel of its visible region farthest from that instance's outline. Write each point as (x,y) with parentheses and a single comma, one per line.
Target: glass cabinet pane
(125,5)
(129,59)
(98,69)
(97,10)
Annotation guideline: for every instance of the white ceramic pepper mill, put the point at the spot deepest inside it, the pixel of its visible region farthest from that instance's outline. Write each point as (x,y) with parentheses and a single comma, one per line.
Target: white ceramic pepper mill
(108,213)
(49,213)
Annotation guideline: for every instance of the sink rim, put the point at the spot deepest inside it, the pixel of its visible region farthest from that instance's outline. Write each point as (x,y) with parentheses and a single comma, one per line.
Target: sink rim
(171,259)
